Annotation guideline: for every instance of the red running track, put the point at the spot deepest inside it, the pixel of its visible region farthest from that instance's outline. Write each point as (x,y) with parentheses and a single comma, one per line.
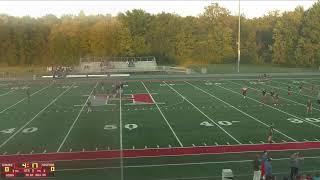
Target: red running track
(92,155)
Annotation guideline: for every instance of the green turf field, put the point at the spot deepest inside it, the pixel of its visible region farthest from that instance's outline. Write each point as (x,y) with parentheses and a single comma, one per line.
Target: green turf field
(182,114)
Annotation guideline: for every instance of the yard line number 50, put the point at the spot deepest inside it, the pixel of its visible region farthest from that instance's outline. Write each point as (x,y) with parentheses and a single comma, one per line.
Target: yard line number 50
(25,131)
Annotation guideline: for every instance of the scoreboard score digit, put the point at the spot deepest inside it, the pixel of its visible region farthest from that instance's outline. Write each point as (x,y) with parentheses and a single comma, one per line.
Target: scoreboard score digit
(27,170)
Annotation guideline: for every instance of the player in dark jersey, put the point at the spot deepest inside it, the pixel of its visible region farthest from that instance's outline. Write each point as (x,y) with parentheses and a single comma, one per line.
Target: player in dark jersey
(264,95)
(300,88)
(309,106)
(270,133)
(272,93)
(244,92)
(289,91)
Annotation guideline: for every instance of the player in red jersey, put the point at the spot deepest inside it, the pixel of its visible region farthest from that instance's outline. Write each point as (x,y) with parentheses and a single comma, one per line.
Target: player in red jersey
(244,92)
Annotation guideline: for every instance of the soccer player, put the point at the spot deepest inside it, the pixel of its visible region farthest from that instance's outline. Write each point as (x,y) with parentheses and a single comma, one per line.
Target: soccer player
(276,99)
(312,88)
(309,106)
(89,108)
(244,92)
(264,95)
(28,95)
(300,88)
(272,94)
(289,90)
(270,134)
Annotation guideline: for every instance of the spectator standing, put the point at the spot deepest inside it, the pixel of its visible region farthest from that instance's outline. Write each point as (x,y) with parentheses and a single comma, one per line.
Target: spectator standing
(316,177)
(256,168)
(264,158)
(295,164)
(268,169)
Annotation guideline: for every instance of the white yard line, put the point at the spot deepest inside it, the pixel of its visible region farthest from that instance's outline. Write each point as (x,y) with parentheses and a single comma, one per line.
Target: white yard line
(75,120)
(173,132)
(257,120)
(4,110)
(204,114)
(121,143)
(34,117)
(8,92)
(270,106)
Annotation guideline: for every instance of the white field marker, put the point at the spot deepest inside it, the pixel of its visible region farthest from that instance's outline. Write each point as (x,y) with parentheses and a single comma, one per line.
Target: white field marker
(173,132)
(221,128)
(239,109)
(76,119)
(34,117)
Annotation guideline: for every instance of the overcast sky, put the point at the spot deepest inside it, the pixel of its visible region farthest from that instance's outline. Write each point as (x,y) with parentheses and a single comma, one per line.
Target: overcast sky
(250,8)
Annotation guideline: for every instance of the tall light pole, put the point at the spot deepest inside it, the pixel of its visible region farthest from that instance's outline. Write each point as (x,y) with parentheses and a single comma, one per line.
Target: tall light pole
(239,38)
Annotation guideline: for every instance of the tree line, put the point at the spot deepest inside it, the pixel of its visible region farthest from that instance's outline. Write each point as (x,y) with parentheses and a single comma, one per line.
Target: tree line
(291,38)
